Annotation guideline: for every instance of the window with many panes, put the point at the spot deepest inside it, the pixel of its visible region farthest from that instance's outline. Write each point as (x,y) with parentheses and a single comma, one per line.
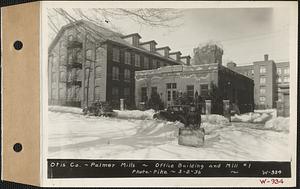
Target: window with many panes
(158,64)
(97,92)
(116,54)
(78,56)
(98,71)
(174,94)
(279,80)
(126,74)
(137,61)
(62,59)
(204,89)
(115,73)
(144,97)
(89,54)
(262,80)
(262,99)
(115,93)
(153,90)
(278,71)
(171,85)
(99,55)
(286,79)
(262,70)
(262,90)
(62,76)
(190,91)
(127,58)
(286,71)
(126,92)
(146,62)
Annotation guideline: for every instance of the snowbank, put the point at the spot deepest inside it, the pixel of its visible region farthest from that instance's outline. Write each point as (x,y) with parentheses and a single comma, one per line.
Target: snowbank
(213,122)
(256,117)
(65,109)
(215,119)
(278,124)
(135,114)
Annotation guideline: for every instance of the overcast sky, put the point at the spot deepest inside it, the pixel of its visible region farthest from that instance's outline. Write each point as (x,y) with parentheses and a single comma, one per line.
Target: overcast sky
(245,34)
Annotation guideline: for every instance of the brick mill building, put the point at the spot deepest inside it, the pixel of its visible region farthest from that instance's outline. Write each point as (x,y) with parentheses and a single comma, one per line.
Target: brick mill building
(88,62)
(271,81)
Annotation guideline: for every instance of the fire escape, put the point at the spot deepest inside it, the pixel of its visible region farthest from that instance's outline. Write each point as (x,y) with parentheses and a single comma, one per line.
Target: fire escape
(73,70)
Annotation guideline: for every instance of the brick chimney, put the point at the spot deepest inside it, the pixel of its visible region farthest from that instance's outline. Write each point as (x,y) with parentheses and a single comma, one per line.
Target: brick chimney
(266,57)
(149,45)
(133,39)
(164,51)
(175,55)
(186,60)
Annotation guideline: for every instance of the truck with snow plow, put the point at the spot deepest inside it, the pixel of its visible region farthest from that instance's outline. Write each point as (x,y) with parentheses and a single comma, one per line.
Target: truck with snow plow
(189,115)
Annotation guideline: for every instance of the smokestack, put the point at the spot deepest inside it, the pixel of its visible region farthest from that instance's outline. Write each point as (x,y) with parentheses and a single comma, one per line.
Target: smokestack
(266,57)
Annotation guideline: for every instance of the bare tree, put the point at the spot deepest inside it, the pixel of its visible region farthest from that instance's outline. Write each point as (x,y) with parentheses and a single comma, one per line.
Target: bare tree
(153,17)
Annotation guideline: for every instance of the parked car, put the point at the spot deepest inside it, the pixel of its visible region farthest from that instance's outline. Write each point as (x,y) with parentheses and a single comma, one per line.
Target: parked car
(186,114)
(99,109)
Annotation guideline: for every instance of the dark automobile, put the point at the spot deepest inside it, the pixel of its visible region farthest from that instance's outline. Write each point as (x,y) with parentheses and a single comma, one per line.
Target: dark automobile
(189,115)
(99,109)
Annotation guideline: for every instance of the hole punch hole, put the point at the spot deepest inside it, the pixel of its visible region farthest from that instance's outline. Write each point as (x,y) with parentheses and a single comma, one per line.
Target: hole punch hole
(18,147)
(18,45)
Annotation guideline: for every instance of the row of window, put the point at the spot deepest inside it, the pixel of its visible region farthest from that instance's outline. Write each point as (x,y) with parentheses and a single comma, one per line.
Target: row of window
(137,60)
(263,70)
(285,71)
(116,74)
(286,79)
(172,91)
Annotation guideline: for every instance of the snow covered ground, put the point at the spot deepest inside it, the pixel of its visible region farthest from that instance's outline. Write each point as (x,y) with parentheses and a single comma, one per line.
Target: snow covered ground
(72,135)
(258,116)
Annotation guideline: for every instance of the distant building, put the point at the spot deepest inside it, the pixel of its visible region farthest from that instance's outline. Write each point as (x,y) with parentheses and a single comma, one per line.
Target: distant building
(210,81)
(271,81)
(88,62)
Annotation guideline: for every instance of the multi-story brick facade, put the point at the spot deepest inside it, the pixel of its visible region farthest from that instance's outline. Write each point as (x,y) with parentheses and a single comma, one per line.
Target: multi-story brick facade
(88,62)
(271,81)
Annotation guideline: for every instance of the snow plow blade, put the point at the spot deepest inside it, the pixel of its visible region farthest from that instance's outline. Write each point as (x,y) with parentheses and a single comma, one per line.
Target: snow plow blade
(191,137)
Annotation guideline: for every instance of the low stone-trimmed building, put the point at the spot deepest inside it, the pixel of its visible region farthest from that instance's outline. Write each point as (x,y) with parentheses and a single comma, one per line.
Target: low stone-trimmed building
(207,80)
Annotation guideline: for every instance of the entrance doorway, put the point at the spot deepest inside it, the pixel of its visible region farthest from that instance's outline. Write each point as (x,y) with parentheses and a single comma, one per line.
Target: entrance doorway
(171,93)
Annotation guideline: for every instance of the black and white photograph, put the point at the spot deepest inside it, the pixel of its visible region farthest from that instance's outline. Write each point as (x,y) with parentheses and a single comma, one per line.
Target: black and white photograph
(170,84)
